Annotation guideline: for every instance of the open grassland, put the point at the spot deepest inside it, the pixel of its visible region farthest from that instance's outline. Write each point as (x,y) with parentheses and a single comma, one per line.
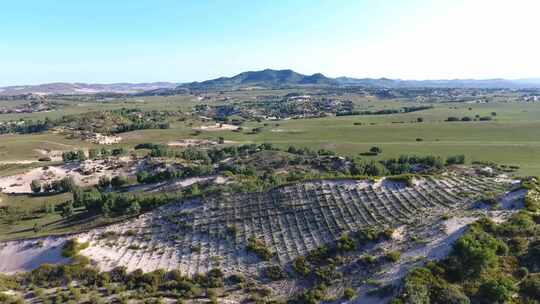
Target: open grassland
(25,147)
(68,107)
(511,138)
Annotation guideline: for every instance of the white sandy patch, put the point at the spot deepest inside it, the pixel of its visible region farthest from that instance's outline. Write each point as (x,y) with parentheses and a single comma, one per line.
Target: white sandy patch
(399,233)
(17,162)
(454,224)
(177,184)
(55,155)
(218,127)
(104,139)
(286,131)
(191,143)
(86,173)
(19,256)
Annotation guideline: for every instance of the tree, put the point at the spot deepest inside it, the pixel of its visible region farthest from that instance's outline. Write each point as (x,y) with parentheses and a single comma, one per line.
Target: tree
(142,176)
(134,208)
(93,154)
(66,184)
(105,152)
(531,287)
(119,181)
(497,290)
(92,200)
(375,149)
(455,160)
(66,209)
(193,190)
(81,156)
(104,182)
(35,185)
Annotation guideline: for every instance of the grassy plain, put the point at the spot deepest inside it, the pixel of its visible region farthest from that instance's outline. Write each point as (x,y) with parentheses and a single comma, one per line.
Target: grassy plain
(512,138)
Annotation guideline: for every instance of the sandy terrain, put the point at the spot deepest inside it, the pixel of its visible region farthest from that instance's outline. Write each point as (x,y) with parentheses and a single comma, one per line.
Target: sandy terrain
(106,140)
(86,173)
(191,143)
(17,162)
(218,127)
(173,185)
(25,255)
(168,237)
(55,155)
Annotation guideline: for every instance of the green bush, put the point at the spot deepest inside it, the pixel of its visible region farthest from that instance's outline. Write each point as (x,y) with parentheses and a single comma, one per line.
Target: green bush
(259,248)
(275,273)
(301,266)
(346,243)
(392,256)
(498,290)
(72,247)
(349,293)
(530,287)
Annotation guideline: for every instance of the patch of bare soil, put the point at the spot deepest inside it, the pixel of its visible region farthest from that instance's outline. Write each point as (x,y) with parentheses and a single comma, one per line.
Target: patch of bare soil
(191,143)
(54,155)
(20,256)
(195,236)
(218,127)
(86,173)
(168,186)
(101,139)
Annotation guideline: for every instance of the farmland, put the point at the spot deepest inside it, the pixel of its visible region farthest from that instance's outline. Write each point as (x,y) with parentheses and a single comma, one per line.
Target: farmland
(510,138)
(293,192)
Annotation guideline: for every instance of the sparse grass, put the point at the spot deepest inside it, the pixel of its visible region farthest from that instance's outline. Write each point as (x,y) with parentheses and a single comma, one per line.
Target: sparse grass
(510,139)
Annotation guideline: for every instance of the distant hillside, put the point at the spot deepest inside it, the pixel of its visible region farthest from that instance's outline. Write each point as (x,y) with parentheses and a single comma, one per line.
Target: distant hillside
(84,88)
(286,78)
(451,83)
(264,78)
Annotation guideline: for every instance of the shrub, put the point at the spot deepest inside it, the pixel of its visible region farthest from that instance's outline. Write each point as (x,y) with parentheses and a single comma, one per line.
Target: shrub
(119,181)
(455,160)
(392,256)
(368,235)
(530,287)
(346,243)
(496,290)
(35,186)
(313,295)
(259,248)
(72,248)
(375,149)
(275,273)
(301,266)
(475,251)
(349,293)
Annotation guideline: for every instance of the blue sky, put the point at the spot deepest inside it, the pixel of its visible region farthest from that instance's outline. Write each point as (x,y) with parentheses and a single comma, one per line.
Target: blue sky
(164,40)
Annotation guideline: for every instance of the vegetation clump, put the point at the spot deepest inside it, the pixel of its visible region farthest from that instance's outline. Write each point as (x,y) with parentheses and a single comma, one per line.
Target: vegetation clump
(72,247)
(490,263)
(259,248)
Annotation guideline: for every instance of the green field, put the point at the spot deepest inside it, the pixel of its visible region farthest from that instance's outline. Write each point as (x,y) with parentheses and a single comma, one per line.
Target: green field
(512,138)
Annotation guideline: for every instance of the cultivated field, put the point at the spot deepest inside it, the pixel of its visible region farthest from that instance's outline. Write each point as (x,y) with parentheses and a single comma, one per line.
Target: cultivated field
(198,235)
(511,138)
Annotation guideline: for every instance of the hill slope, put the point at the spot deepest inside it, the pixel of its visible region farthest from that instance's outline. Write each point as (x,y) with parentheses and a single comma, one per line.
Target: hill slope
(264,78)
(83,88)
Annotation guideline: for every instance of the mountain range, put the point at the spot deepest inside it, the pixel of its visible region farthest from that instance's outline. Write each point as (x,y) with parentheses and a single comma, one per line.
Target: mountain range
(64,88)
(284,78)
(265,79)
